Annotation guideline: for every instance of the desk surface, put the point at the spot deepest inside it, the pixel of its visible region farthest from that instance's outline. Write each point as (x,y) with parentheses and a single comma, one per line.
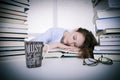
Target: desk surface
(57,69)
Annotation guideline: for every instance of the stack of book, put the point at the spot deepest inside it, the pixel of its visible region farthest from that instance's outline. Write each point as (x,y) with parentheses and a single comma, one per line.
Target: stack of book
(108,30)
(13,27)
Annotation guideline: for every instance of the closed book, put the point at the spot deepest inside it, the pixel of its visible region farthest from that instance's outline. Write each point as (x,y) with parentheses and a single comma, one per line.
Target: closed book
(12,48)
(13,35)
(13,12)
(14,26)
(109,31)
(109,37)
(12,7)
(11,43)
(102,24)
(15,3)
(18,17)
(110,43)
(106,51)
(108,13)
(22,1)
(8,20)
(10,30)
(106,47)
(10,53)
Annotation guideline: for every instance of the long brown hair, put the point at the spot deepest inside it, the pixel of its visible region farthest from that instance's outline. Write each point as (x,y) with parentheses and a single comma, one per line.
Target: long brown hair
(86,50)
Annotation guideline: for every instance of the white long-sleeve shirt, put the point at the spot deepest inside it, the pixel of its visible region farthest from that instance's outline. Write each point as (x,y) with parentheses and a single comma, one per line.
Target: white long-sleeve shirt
(51,36)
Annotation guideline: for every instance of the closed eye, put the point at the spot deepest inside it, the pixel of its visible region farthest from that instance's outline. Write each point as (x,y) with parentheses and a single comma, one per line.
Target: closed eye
(74,38)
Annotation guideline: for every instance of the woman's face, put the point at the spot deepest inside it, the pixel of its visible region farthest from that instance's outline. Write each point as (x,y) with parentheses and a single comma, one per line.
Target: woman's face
(74,39)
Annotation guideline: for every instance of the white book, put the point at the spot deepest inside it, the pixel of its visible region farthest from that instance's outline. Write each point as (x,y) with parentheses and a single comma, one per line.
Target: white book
(109,37)
(14,26)
(13,12)
(109,31)
(110,43)
(16,3)
(12,7)
(12,48)
(8,20)
(106,51)
(106,47)
(108,13)
(6,15)
(22,1)
(9,53)
(10,30)
(16,35)
(102,24)
(11,43)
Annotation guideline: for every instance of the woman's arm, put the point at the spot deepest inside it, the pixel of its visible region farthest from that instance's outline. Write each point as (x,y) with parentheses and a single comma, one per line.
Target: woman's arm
(63,46)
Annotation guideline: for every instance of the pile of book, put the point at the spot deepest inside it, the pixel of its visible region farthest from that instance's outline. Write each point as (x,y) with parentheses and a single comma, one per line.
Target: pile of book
(13,27)
(108,29)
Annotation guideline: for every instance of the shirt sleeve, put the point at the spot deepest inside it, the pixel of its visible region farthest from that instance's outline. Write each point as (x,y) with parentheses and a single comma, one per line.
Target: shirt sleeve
(45,37)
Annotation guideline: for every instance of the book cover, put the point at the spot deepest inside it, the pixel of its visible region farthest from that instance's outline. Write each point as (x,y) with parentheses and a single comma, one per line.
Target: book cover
(12,35)
(106,51)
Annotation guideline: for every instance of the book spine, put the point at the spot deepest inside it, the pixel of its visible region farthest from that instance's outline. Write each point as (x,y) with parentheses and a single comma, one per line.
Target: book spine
(106,47)
(12,35)
(8,20)
(109,43)
(108,13)
(14,26)
(11,43)
(13,12)
(108,23)
(106,52)
(12,7)
(6,15)
(6,30)
(15,3)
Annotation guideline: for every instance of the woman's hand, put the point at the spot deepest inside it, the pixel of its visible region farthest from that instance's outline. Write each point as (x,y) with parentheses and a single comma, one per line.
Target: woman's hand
(63,46)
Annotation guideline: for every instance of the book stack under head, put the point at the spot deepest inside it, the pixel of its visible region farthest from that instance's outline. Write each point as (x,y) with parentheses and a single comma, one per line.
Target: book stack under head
(13,27)
(108,30)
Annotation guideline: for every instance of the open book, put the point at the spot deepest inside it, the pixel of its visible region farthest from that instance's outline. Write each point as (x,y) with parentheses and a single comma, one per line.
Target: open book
(60,52)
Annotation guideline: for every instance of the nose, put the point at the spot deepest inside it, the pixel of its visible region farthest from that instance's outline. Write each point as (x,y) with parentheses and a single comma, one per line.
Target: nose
(72,43)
